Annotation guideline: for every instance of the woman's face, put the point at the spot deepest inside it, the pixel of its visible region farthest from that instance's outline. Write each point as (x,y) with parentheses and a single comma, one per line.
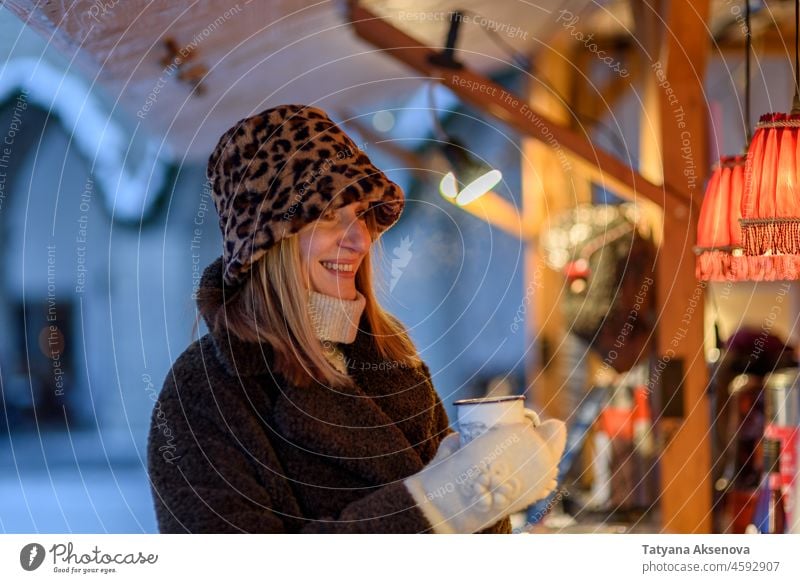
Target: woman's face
(332,248)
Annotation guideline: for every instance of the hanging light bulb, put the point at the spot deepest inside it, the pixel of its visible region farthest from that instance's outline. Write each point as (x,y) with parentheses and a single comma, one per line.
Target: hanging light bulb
(478,187)
(469,178)
(476,177)
(469,186)
(448,186)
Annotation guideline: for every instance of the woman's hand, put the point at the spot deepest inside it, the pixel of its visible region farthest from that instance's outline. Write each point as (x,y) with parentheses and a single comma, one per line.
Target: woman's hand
(451,442)
(502,471)
(447,447)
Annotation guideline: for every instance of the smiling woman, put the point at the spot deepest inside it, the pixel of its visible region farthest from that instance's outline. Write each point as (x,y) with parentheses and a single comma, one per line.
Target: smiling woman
(333,247)
(271,428)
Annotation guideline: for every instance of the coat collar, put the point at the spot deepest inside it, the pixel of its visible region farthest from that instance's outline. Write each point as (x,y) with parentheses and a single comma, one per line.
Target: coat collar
(379,429)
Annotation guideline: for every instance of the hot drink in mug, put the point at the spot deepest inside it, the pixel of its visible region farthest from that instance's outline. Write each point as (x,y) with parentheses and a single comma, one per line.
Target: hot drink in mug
(476,416)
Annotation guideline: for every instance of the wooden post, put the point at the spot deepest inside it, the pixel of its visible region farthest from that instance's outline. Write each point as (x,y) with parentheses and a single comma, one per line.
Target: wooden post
(675,76)
(550,185)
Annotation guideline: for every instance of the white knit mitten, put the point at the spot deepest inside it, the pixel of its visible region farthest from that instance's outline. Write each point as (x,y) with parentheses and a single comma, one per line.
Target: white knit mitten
(503,471)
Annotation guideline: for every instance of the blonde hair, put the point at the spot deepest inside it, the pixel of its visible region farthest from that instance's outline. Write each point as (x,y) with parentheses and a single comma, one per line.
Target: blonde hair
(271,307)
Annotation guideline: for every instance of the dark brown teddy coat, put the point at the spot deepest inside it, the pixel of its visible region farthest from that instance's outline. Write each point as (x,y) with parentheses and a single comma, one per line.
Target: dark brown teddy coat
(234,448)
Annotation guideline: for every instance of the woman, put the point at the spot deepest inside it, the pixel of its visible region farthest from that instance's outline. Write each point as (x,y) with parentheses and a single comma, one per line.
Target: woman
(306,407)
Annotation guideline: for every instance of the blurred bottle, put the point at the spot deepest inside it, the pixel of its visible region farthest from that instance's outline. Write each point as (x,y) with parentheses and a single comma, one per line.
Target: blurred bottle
(782,407)
(770,515)
(739,482)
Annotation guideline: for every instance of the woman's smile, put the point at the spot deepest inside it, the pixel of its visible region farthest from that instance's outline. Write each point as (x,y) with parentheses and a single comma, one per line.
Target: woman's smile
(340,269)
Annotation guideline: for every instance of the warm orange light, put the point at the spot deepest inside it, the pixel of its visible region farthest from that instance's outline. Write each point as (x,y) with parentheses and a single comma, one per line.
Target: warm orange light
(771,202)
(719,236)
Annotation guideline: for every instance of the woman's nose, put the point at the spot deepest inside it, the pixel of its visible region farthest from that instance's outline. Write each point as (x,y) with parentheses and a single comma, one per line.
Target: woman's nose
(357,236)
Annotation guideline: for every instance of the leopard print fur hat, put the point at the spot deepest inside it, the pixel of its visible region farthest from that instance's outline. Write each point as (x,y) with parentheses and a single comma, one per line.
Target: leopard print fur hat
(276,171)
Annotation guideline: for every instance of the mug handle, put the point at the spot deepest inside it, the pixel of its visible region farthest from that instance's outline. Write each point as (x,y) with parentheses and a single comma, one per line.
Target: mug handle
(533,417)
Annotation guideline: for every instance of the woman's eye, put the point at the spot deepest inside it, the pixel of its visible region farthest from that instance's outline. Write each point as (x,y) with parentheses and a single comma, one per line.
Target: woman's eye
(328,215)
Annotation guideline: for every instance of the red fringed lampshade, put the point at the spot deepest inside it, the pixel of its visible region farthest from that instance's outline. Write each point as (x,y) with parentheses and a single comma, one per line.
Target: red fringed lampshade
(771,203)
(719,235)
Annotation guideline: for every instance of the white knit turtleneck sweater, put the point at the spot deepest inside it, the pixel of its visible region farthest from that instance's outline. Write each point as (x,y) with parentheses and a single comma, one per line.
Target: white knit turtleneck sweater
(335,320)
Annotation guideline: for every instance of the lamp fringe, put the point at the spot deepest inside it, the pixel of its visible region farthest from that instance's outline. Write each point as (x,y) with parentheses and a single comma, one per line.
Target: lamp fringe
(773,267)
(719,265)
(777,236)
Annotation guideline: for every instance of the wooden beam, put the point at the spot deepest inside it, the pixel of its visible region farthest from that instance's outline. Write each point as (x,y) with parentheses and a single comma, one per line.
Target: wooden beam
(770,45)
(481,92)
(770,42)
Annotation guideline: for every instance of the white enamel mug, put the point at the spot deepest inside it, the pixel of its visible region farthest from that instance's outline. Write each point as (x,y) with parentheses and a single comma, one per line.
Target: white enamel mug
(477,416)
